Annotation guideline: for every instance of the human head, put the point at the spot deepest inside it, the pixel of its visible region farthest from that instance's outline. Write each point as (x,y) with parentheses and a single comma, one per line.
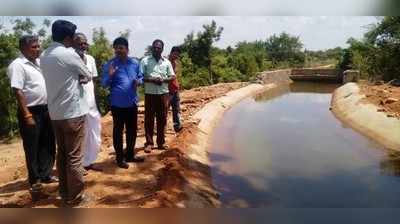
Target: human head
(29,46)
(157,48)
(80,43)
(175,52)
(63,31)
(121,47)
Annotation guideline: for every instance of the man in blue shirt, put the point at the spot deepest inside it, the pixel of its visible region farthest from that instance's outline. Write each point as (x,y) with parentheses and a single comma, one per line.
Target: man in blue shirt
(122,76)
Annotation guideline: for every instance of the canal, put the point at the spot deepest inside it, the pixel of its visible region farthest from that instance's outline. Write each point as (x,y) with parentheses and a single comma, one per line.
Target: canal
(285,148)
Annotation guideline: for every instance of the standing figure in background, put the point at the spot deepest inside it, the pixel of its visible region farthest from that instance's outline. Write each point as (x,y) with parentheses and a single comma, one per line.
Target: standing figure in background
(157,72)
(173,87)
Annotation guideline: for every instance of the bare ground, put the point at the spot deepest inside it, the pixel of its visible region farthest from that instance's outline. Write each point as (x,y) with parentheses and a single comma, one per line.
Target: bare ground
(161,181)
(386,97)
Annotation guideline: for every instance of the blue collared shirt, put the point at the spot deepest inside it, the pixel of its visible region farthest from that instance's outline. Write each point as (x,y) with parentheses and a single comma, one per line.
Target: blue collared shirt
(123,91)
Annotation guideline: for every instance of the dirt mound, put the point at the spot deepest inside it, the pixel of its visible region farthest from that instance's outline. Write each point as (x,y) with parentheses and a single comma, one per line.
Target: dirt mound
(385,96)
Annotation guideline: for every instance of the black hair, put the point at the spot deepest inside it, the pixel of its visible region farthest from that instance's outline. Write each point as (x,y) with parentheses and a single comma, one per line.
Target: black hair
(62,29)
(121,41)
(176,49)
(158,40)
(25,40)
(79,35)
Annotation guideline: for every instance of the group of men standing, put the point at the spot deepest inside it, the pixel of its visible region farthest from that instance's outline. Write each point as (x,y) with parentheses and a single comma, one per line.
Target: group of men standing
(57,104)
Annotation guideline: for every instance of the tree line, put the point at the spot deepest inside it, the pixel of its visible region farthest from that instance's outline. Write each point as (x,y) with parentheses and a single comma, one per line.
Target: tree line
(377,54)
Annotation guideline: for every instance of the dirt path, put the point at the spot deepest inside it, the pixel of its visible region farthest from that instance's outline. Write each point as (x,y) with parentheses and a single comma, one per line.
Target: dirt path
(158,182)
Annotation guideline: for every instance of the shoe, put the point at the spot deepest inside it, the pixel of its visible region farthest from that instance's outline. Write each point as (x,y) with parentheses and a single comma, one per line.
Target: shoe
(93,167)
(79,201)
(135,159)
(123,165)
(36,187)
(50,179)
(147,148)
(178,129)
(85,172)
(162,147)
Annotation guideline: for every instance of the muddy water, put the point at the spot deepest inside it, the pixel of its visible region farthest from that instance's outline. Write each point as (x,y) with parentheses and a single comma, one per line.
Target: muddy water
(285,148)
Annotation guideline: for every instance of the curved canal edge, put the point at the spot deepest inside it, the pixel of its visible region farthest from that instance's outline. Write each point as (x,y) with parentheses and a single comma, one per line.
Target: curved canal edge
(347,106)
(198,180)
(207,118)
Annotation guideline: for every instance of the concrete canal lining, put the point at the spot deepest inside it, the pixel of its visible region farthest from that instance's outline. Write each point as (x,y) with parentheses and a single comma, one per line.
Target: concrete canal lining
(365,118)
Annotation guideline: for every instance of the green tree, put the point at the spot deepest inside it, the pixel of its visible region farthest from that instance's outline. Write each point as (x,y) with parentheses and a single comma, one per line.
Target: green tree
(199,48)
(102,51)
(378,54)
(8,107)
(126,33)
(22,27)
(285,48)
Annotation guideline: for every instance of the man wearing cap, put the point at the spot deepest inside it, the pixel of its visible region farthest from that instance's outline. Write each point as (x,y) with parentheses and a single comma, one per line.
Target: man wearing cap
(33,118)
(122,76)
(62,68)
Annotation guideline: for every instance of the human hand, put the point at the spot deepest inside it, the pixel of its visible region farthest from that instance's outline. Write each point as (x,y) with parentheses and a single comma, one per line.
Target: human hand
(135,84)
(83,79)
(29,120)
(112,69)
(158,81)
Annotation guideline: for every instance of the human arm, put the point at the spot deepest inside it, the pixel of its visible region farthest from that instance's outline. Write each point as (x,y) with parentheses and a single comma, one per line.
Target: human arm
(16,75)
(108,73)
(170,74)
(21,100)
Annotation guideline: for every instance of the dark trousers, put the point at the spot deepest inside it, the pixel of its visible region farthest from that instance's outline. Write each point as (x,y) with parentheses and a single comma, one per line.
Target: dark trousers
(124,117)
(70,137)
(39,143)
(175,102)
(156,106)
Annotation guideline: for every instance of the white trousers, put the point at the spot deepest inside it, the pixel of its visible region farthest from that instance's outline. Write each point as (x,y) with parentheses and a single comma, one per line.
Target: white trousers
(92,138)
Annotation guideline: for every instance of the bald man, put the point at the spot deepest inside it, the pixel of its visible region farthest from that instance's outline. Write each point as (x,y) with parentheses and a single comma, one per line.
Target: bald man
(92,140)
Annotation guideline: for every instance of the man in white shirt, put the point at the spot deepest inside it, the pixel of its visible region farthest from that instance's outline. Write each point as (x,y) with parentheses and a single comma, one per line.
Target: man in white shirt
(62,68)
(34,122)
(92,140)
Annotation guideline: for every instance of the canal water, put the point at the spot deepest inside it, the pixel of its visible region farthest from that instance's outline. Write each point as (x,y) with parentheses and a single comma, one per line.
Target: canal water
(285,148)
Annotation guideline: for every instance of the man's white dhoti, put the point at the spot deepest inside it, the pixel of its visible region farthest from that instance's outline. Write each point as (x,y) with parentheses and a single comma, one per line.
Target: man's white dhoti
(92,141)
(92,138)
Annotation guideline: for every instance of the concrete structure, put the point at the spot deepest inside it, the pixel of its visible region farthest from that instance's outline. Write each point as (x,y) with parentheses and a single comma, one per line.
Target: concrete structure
(318,75)
(350,76)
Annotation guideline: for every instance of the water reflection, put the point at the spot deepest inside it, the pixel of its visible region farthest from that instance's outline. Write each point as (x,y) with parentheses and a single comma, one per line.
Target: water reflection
(273,93)
(286,149)
(307,87)
(391,164)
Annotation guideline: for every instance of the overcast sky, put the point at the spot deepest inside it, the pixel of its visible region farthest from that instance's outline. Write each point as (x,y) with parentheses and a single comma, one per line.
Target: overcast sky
(316,33)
